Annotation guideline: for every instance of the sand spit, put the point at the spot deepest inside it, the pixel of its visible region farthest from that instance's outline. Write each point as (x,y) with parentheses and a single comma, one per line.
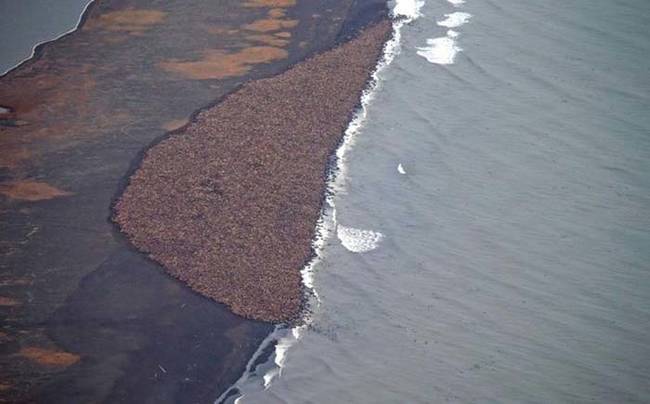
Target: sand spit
(229,204)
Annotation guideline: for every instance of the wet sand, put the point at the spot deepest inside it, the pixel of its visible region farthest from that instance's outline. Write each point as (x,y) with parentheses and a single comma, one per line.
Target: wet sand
(85,317)
(229,204)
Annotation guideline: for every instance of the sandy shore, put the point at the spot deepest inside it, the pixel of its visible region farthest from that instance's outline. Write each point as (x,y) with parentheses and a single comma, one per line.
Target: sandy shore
(85,317)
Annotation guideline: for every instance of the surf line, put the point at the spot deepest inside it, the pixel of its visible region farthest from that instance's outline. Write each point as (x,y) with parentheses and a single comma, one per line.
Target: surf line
(259,376)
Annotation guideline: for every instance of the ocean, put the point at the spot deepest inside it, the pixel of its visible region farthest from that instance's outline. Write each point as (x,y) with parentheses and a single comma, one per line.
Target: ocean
(488,238)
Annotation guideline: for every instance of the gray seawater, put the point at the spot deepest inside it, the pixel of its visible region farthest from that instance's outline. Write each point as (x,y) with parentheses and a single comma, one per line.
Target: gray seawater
(515,262)
(26,23)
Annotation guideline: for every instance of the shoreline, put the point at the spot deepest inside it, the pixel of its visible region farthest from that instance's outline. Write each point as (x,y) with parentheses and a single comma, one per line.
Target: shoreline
(217,223)
(77,289)
(282,338)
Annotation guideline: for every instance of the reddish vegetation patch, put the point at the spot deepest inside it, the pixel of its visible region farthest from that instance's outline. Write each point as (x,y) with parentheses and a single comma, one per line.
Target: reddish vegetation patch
(229,205)
(270,3)
(8,302)
(54,105)
(268,40)
(277,13)
(29,190)
(217,64)
(174,124)
(48,357)
(130,20)
(270,24)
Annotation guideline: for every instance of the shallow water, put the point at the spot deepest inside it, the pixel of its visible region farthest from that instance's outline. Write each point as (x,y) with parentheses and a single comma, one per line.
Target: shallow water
(510,182)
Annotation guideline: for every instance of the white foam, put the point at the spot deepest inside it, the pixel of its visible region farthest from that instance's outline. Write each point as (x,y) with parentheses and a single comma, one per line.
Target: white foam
(282,347)
(358,240)
(457,3)
(443,50)
(400,169)
(409,9)
(440,51)
(454,20)
(268,378)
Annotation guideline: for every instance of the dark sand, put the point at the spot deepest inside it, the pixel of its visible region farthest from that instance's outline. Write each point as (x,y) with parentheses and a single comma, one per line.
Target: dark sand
(229,204)
(85,317)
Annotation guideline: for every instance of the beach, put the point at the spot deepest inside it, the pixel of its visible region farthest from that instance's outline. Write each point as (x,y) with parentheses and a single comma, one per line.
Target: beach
(86,316)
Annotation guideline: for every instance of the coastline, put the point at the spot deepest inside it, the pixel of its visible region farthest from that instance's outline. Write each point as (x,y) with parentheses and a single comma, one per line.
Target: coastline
(229,203)
(86,297)
(268,361)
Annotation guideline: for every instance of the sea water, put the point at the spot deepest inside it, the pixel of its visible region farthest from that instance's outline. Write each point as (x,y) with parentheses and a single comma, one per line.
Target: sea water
(26,23)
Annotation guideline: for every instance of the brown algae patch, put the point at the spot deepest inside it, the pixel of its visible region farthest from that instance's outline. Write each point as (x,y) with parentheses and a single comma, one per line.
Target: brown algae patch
(30,190)
(218,64)
(130,20)
(229,204)
(49,357)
